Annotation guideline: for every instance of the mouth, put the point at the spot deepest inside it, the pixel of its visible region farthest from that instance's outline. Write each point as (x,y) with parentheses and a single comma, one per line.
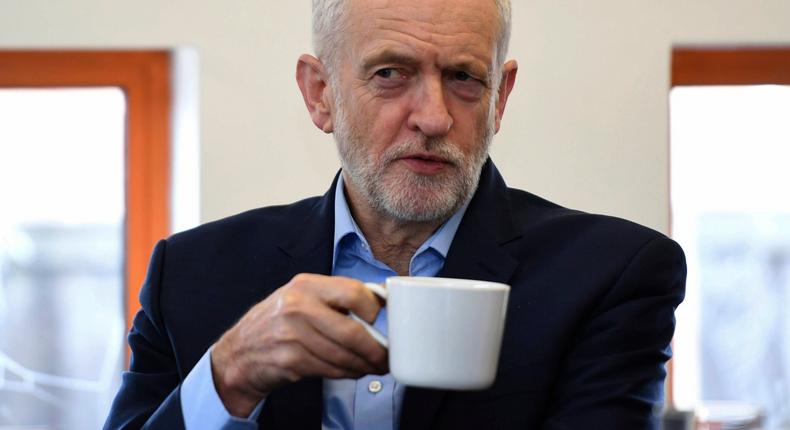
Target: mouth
(425,164)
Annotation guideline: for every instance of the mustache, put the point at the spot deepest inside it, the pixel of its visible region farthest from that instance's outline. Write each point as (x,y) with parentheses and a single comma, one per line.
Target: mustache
(435,146)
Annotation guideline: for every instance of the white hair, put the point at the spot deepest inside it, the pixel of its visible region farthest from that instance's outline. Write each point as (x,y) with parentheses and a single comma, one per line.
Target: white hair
(329,25)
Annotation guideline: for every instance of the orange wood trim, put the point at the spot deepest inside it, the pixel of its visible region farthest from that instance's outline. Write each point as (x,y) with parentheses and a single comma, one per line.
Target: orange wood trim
(733,66)
(145,78)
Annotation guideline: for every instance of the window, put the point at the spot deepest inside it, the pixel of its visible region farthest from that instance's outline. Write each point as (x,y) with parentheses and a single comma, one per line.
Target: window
(61,252)
(84,155)
(730,147)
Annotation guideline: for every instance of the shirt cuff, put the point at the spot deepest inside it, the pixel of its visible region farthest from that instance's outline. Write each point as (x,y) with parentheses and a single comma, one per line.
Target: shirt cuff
(201,406)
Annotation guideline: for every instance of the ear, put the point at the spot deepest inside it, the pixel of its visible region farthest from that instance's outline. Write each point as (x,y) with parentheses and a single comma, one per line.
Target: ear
(509,71)
(312,78)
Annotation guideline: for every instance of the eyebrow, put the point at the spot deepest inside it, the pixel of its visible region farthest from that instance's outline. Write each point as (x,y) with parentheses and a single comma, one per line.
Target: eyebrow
(391,56)
(388,56)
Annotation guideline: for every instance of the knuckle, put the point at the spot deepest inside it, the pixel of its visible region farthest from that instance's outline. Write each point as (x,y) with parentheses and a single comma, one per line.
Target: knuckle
(290,304)
(357,299)
(299,280)
(286,359)
(357,294)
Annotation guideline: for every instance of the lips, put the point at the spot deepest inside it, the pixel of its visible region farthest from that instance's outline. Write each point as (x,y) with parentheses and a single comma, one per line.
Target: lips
(425,164)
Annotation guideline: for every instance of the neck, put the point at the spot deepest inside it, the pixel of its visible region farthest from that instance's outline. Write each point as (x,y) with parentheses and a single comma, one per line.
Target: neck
(392,241)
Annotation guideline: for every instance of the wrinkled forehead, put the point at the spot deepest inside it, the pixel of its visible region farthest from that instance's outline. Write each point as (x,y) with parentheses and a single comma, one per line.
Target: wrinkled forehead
(433,27)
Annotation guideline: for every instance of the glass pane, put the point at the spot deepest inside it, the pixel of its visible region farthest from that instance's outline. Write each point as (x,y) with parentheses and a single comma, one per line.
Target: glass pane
(731,213)
(61,255)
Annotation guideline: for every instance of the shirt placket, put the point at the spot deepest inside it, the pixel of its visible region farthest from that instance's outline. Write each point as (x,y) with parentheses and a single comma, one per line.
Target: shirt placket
(374,394)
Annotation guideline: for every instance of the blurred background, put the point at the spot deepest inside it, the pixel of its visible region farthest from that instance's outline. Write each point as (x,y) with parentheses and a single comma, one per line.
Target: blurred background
(121,122)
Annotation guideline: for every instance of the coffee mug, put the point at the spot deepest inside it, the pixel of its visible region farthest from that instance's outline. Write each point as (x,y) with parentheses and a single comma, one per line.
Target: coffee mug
(443,333)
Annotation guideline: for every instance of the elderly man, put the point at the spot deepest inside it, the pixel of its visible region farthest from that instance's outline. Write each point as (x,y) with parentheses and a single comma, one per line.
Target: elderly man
(244,321)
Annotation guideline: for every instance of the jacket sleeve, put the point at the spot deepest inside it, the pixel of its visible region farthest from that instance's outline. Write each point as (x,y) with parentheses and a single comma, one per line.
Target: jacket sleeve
(613,376)
(149,393)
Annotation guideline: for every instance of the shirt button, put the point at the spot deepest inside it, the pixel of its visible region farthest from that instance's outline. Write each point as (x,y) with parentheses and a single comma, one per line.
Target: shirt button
(374,386)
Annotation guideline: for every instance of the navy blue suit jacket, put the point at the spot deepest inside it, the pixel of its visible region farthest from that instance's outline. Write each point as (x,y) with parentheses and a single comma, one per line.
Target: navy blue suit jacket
(589,322)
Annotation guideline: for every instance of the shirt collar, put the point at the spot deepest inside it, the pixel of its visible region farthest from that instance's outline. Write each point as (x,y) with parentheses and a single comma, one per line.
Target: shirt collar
(440,241)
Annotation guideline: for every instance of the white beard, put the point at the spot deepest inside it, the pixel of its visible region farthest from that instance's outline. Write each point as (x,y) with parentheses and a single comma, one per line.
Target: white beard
(410,196)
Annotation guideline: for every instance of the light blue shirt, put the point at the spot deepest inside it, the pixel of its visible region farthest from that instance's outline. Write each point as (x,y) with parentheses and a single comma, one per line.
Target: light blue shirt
(371,402)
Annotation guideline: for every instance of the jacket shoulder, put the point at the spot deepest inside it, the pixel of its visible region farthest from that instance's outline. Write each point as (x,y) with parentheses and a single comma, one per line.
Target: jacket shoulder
(271,221)
(534,213)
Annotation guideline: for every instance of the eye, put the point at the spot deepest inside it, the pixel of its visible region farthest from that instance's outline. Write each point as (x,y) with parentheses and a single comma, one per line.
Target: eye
(465,85)
(390,78)
(388,73)
(462,76)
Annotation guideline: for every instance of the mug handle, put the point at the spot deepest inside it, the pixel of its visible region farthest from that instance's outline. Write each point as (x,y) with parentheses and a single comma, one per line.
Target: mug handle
(382,293)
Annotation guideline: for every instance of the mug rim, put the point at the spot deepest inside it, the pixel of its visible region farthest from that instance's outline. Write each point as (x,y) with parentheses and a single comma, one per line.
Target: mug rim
(444,283)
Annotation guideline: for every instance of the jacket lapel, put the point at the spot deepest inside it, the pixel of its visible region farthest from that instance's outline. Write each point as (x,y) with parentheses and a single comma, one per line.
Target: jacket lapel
(309,242)
(309,248)
(476,253)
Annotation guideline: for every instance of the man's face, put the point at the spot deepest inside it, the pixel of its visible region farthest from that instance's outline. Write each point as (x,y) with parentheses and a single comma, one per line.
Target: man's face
(414,103)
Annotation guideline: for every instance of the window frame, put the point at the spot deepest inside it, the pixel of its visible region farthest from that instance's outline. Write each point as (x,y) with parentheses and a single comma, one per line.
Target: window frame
(724,65)
(730,66)
(144,77)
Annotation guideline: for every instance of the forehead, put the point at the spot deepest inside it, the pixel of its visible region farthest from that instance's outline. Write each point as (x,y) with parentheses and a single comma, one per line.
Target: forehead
(437,28)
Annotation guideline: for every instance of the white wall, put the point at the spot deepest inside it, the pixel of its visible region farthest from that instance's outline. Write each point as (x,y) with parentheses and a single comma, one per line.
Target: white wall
(587,125)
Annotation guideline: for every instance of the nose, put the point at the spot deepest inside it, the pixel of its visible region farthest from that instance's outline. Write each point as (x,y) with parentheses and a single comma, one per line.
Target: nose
(429,114)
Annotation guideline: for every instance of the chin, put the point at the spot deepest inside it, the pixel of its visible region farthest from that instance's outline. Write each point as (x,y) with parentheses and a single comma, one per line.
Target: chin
(421,207)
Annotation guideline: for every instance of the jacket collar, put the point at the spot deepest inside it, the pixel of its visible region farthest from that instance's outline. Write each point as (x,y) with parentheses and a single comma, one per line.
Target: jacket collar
(310,242)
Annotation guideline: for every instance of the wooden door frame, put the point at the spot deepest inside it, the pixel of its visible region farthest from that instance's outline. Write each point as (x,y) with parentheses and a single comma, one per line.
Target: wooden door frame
(144,77)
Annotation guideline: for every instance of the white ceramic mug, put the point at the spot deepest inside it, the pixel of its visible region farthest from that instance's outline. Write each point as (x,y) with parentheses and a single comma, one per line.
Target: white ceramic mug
(443,333)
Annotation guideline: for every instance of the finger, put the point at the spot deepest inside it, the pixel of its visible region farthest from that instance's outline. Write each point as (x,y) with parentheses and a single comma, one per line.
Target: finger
(296,362)
(341,293)
(330,351)
(346,332)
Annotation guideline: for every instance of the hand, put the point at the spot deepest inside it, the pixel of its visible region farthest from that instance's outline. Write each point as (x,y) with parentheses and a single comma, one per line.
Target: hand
(300,330)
